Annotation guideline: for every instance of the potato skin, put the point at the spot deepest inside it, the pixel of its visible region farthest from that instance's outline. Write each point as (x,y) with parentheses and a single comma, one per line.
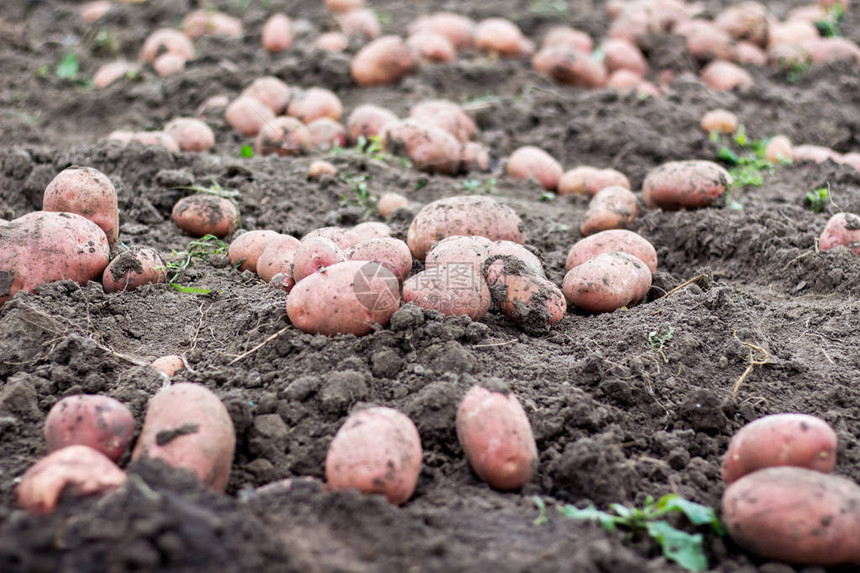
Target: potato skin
(368,120)
(270,91)
(134,268)
(685,185)
(796,440)
(368,230)
(204,214)
(385,60)
(570,66)
(430,148)
(314,254)
(99,422)
(843,229)
(533,162)
(795,515)
(497,438)
(187,426)
(313,104)
(498,249)
(277,257)
(446,115)
(613,240)
(283,136)
(464,215)
(611,208)
(391,253)
(248,247)
(87,192)
(169,39)
(527,298)
(607,282)
(247,115)
(377,450)
(191,134)
(573,180)
(458,249)
(346,298)
(454,289)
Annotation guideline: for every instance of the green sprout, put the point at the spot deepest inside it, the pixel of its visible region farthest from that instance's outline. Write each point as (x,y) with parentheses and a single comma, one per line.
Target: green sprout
(471,184)
(547,196)
(246,151)
(202,248)
(828,27)
(818,199)
(360,191)
(68,67)
(371,147)
(658,339)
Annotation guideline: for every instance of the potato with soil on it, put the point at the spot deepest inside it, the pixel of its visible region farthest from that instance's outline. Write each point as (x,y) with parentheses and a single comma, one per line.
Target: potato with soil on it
(326,134)
(814,154)
(527,298)
(620,240)
(795,515)
(347,298)
(611,208)
(843,229)
(158,138)
(247,115)
(725,76)
(277,33)
(343,238)
(283,136)
(134,268)
(570,66)
(332,42)
(686,185)
(573,181)
(496,436)
(271,92)
(458,249)
(431,149)
(43,247)
(376,451)
(314,254)
(391,253)
(620,54)
(385,60)
(796,440)
(76,470)
(315,103)
(277,257)
(191,134)
(603,178)
(98,422)
(361,23)
(199,23)
(168,64)
(454,289)
(531,162)
(368,120)
(475,157)
(169,365)
(203,214)
(167,40)
(187,426)
(432,47)
(458,29)
(446,115)
(567,36)
(500,36)
(607,282)
(391,202)
(87,192)
(245,250)
(469,215)
(745,21)
(498,249)
(319,168)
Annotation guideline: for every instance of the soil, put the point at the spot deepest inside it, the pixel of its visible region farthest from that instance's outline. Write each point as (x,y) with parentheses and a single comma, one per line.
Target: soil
(617,414)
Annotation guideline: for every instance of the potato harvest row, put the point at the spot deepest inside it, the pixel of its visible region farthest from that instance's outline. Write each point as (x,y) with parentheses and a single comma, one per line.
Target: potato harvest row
(381,285)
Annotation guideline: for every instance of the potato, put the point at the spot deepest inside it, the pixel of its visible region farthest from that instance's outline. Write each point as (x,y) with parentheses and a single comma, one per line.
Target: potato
(277,257)
(454,289)
(430,148)
(823,50)
(339,6)
(573,181)
(531,162)
(745,21)
(464,215)
(746,53)
(707,42)
(391,202)
(391,253)
(346,298)
(570,66)
(187,426)
(623,55)
(277,33)
(843,229)
(326,133)
(319,168)
(567,36)
(315,103)
(368,120)
(98,422)
(271,92)
(385,60)
(446,115)
(245,250)
(205,214)
(247,115)
(87,192)
(620,240)
(93,11)
(623,80)
(167,40)
(134,268)
(109,73)
(719,121)
(795,515)
(611,208)
(725,76)
(497,438)
(814,153)
(158,138)
(201,23)
(332,42)
(78,470)
(169,365)
(360,22)
(191,134)
(475,157)
(527,298)
(458,29)
(168,64)
(794,33)
(283,136)
(432,47)
(779,149)
(368,230)
(499,249)
(314,254)
(341,237)
(603,178)
(376,451)
(852,159)
(686,185)
(42,247)
(499,36)
(458,249)
(607,282)
(797,440)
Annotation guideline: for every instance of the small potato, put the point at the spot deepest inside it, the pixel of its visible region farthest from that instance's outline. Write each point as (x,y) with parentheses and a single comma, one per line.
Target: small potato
(685,185)
(346,298)
(277,33)
(459,250)
(169,365)
(446,115)
(454,289)
(464,215)
(326,133)
(391,202)
(611,208)
(528,299)
(458,29)
(167,40)
(779,149)
(360,22)
(277,257)
(168,64)
(201,23)
(431,149)
(87,192)
(391,253)
(376,451)
(719,121)
(93,11)
(368,230)
(607,282)
(283,136)
(814,153)
(620,240)
(795,515)
(499,36)
(432,47)
(271,92)
(341,237)
(797,440)
(204,214)
(573,181)
(247,115)
(570,66)
(531,162)
(794,32)
(134,268)
(745,21)
(340,6)
(502,249)
(315,103)
(98,422)
(567,36)
(475,157)
(187,426)
(191,134)
(245,250)
(42,247)
(109,73)
(852,159)
(623,80)
(746,53)
(385,60)
(319,168)
(706,43)
(843,229)
(314,254)
(332,42)
(78,470)
(496,436)
(603,178)
(623,55)
(368,120)
(725,76)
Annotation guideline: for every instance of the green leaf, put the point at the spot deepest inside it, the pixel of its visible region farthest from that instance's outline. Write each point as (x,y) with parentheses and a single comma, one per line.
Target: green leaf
(68,67)
(741,136)
(697,513)
(591,513)
(247,151)
(547,196)
(727,155)
(684,549)
(714,136)
(541,518)
(624,512)
(43,71)
(190,290)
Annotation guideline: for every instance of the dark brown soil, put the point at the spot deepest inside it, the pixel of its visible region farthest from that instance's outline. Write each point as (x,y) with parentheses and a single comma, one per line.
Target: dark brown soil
(616,417)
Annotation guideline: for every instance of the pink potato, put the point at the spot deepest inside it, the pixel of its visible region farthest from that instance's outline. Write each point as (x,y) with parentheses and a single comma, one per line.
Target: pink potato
(200,23)
(719,121)
(376,451)
(368,120)
(607,282)
(496,436)
(277,33)
(852,158)
(340,6)
(620,240)
(796,440)
(167,40)
(87,192)
(454,289)
(746,53)
(314,254)
(42,247)
(98,422)
(326,133)
(204,214)
(611,208)
(458,250)
(360,22)
(430,148)
(314,103)
(368,230)
(464,215)
(725,76)
(271,92)
(432,47)
(283,136)
(245,250)
(573,181)
(168,64)
(391,253)
(169,365)
(346,298)
(318,168)
(499,36)
(247,115)
(531,162)
(795,515)
(624,55)
(843,229)
(446,115)
(134,268)
(623,80)
(385,60)
(745,21)
(603,178)
(686,185)
(527,298)
(570,66)
(458,29)
(93,11)
(707,42)
(823,50)
(187,426)
(111,72)
(814,153)
(475,157)
(498,249)
(78,470)
(191,134)
(332,42)
(778,149)
(391,202)
(343,238)
(567,36)
(277,257)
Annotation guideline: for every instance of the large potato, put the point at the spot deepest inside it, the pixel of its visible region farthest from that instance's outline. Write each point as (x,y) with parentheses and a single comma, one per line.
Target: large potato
(531,162)
(204,214)
(795,515)
(573,180)
(391,253)
(607,282)
(843,229)
(454,289)
(87,192)
(686,185)
(465,215)
(99,422)
(245,250)
(377,450)
(277,257)
(781,440)
(187,426)
(134,268)
(42,247)
(613,240)
(346,298)
(497,438)
(385,60)
(314,254)
(430,148)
